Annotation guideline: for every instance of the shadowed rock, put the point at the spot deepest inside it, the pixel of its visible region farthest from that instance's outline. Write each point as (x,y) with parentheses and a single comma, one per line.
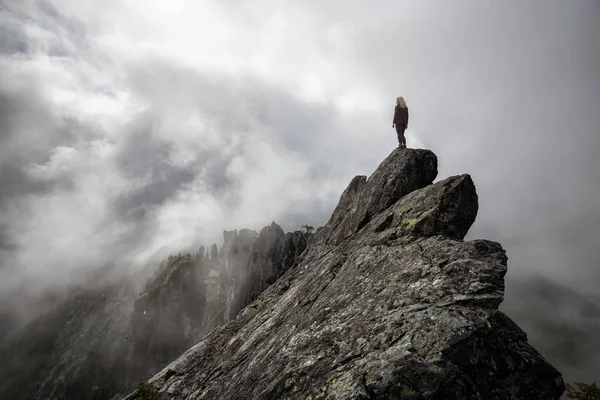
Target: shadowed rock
(166,316)
(236,255)
(272,254)
(398,308)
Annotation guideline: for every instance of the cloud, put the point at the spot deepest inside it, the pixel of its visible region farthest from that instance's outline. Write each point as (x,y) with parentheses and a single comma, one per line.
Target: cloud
(114,159)
(129,131)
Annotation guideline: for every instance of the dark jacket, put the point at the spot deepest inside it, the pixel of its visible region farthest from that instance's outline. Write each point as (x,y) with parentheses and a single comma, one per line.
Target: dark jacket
(400,116)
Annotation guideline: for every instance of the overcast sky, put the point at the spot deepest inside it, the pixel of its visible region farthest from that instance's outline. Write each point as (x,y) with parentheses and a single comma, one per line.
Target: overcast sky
(132,128)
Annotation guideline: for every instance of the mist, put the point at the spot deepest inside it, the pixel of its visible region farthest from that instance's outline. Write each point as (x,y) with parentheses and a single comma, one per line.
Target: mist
(129,131)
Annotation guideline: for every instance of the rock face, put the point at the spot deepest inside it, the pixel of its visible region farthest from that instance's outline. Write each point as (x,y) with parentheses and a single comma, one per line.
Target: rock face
(273,254)
(363,199)
(253,262)
(388,302)
(237,251)
(167,315)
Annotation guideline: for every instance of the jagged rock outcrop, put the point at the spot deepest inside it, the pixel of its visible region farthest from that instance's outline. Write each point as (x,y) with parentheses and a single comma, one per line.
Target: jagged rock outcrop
(447,208)
(237,251)
(388,302)
(95,343)
(273,253)
(363,199)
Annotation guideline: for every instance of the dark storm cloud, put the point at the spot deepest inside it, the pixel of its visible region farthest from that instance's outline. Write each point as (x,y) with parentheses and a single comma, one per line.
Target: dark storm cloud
(14,183)
(143,157)
(29,131)
(12,40)
(63,36)
(236,110)
(23,112)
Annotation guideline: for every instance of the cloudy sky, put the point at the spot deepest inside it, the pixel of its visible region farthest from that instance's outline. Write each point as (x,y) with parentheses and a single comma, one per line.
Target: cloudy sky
(132,128)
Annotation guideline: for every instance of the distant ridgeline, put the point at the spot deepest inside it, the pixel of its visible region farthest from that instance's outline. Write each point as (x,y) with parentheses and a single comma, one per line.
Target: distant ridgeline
(97,343)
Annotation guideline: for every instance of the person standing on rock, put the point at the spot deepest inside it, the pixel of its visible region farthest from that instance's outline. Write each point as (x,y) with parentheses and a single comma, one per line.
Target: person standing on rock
(400,121)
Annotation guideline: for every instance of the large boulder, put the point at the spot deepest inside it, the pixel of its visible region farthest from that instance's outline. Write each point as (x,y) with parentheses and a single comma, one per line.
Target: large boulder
(402,172)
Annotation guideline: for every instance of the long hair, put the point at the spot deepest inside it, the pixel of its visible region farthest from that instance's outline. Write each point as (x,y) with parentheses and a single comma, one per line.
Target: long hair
(401,102)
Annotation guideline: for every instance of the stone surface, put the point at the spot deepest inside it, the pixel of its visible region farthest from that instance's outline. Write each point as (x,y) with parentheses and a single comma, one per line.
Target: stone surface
(234,270)
(274,252)
(446,208)
(402,172)
(387,302)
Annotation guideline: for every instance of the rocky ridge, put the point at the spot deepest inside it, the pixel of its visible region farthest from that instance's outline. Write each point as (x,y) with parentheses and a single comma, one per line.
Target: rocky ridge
(387,302)
(94,343)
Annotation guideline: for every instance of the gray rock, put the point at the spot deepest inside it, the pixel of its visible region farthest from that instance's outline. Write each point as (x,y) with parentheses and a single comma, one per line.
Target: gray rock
(273,253)
(402,172)
(387,303)
(446,208)
(237,252)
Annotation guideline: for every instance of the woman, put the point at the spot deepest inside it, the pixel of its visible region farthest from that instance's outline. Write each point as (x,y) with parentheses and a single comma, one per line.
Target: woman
(400,121)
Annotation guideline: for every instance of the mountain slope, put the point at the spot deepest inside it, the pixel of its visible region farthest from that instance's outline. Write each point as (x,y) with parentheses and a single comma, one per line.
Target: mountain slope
(387,302)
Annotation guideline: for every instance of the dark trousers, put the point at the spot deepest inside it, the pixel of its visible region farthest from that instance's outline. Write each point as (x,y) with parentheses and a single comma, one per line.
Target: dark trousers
(400,131)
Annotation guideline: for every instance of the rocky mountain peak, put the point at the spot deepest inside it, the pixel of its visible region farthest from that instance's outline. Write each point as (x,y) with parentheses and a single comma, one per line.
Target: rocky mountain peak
(386,302)
(401,173)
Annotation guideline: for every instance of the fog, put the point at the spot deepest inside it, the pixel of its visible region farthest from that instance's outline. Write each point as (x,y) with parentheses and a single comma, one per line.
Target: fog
(130,130)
